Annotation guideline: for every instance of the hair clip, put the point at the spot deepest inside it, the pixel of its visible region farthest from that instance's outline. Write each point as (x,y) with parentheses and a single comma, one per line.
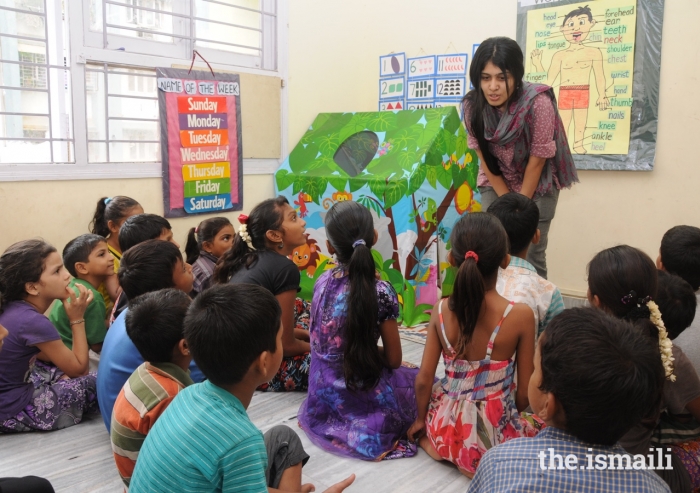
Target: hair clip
(471,254)
(644,301)
(242,218)
(627,299)
(359,242)
(196,229)
(107,200)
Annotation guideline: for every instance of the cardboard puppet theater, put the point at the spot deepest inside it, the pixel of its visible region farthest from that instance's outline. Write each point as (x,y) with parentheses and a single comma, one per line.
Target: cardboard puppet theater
(415,173)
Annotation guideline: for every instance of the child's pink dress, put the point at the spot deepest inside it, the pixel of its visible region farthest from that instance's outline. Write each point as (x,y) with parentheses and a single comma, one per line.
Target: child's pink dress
(472,408)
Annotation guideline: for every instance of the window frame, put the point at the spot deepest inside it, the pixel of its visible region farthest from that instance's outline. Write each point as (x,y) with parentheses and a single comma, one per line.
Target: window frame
(80,54)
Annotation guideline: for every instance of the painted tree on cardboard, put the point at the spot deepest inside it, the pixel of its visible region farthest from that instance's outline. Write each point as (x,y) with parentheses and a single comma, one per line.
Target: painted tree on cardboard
(411,167)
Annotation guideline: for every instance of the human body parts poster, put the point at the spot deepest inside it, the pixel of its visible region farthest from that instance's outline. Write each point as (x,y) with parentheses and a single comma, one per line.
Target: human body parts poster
(586,52)
(602,58)
(200,142)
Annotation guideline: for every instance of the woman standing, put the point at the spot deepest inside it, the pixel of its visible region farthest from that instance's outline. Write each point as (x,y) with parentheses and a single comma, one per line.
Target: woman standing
(518,135)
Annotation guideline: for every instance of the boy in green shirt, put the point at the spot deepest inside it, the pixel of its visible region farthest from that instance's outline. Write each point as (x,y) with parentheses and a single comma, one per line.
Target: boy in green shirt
(88,260)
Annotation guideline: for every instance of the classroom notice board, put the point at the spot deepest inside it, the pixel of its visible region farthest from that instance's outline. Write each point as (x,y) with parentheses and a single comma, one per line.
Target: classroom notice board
(602,57)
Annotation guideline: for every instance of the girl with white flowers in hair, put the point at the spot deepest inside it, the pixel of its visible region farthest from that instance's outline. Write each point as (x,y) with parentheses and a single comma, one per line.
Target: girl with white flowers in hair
(623,282)
(258,255)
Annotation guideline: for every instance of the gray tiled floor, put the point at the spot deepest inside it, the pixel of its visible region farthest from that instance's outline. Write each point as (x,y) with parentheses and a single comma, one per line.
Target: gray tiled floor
(79,459)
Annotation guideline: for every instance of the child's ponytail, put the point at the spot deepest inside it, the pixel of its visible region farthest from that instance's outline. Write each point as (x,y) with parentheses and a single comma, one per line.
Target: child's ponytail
(350,231)
(250,238)
(115,209)
(98,225)
(479,245)
(192,246)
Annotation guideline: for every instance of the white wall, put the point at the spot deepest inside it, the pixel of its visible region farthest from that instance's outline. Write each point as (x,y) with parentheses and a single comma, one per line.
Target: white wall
(334,50)
(333,59)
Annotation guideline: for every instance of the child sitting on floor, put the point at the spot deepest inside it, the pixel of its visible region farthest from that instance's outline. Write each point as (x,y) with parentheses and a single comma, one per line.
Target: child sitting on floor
(361,400)
(623,281)
(259,256)
(205,441)
(31,484)
(680,254)
(36,395)
(135,230)
(205,245)
(149,266)
(482,336)
(595,377)
(154,324)
(520,282)
(110,214)
(88,260)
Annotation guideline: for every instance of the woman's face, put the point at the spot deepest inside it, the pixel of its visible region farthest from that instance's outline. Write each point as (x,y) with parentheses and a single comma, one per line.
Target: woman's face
(493,85)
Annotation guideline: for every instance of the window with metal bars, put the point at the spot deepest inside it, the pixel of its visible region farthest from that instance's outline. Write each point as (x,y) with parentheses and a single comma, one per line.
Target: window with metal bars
(219,29)
(35,94)
(122,114)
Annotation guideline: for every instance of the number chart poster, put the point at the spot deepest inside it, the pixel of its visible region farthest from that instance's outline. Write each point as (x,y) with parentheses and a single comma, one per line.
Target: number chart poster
(586,52)
(200,117)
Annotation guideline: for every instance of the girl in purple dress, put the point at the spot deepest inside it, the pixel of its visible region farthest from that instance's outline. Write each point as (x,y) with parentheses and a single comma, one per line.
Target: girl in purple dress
(361,400)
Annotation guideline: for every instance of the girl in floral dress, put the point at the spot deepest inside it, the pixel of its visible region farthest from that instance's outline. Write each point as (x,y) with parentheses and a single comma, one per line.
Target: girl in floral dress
(483,338)
(35,395)
(361,400)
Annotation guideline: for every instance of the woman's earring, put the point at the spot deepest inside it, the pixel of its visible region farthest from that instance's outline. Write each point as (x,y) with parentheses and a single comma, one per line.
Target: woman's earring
(281,245)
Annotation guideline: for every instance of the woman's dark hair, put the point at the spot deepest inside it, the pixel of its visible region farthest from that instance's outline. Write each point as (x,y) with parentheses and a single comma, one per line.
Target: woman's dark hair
(348,223)
(505,54)
(228,326)
(21,263)
(148,266)
(206,231)
(603,371)
(154,323)
(265,216)
(677,303)
(482,236)
(110,209)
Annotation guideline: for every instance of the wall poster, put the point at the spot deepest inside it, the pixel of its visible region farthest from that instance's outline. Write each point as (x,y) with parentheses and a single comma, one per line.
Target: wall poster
(602,59)
(200,122)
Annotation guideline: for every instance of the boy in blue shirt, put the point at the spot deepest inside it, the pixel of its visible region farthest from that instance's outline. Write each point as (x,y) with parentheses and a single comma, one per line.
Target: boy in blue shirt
(204,441)
(595,377)
(148,266)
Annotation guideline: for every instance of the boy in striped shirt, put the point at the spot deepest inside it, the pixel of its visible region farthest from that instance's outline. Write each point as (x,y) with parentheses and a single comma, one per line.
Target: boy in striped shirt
(154,323)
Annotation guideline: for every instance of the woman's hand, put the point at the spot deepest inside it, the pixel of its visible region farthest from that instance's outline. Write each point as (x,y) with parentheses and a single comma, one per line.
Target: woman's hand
(416,430)
(75,305)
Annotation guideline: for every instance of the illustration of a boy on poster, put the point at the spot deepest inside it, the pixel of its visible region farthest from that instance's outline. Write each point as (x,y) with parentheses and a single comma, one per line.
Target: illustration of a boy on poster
(573,66)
